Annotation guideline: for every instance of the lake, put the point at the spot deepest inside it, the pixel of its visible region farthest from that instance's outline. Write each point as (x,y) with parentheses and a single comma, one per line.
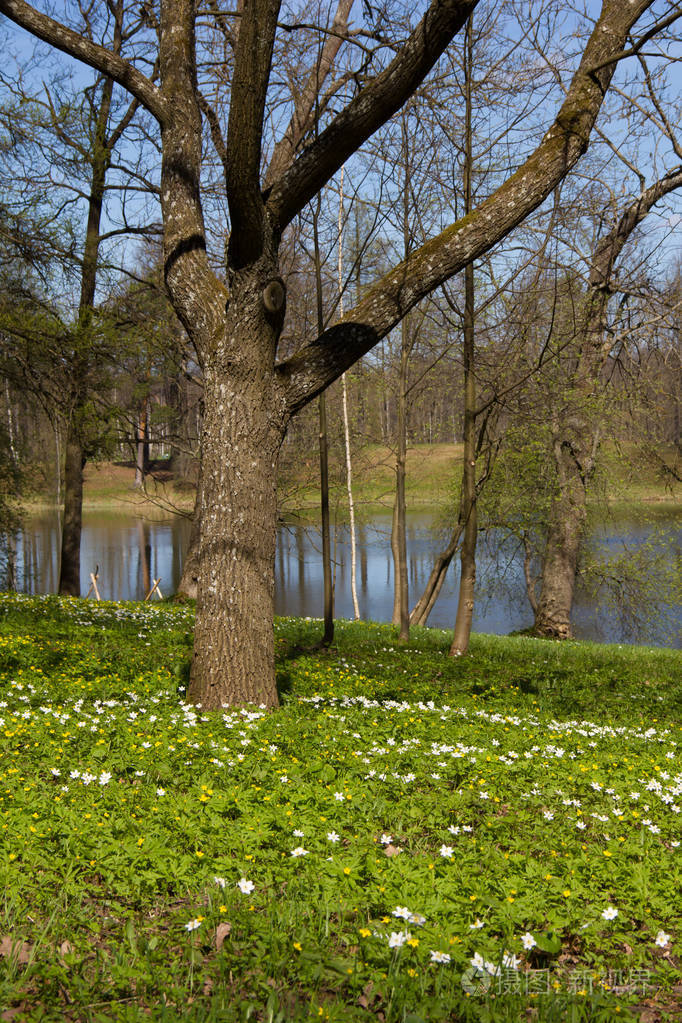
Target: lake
(131,551)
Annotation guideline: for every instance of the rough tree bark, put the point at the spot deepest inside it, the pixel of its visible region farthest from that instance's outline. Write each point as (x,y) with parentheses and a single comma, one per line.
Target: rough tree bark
(249,397)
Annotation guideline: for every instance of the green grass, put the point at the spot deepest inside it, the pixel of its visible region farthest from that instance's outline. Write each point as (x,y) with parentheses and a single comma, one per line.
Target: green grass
(497,808)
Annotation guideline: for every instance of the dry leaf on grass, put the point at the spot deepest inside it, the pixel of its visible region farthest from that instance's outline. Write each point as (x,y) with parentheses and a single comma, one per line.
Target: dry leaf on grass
(18,950)
(221,932)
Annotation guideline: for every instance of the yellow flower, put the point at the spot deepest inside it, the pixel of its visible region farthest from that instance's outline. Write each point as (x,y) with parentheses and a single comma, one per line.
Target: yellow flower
(298,946)
(346,870)
(365,932)
(413,942)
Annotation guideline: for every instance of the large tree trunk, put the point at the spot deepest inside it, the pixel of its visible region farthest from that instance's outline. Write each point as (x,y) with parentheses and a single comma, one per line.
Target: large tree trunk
(233,639)
(70,565)
(234,657)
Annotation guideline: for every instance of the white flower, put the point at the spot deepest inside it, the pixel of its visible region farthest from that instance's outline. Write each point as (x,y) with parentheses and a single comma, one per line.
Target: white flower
(398,938)
(446,851)
(386,839)
(299,851)
(192,925)
(581,825)
(662,939)
(104,778)
(528,941)
(298,833)
(55,771)
(332,836)
(548,815)
(610,913)
(220,881)
(478,962)
(439,957)
(284,779)
(476,925)
(161,792)
(340,796)
(417,918)
(402,912)
(246,887)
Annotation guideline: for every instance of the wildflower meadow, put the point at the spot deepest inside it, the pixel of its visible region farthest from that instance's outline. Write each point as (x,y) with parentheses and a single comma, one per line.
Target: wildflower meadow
(407,838)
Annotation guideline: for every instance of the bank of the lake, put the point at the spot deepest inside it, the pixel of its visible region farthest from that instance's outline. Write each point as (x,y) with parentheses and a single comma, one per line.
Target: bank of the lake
(433,472)
(131,551)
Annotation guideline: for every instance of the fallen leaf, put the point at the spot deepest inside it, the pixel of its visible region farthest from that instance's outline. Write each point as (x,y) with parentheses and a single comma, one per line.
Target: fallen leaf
(221,932)
(391,850)
(65,948)
(20,951)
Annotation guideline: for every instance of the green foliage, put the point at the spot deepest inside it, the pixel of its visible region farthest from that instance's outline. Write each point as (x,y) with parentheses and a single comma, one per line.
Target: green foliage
(408,835)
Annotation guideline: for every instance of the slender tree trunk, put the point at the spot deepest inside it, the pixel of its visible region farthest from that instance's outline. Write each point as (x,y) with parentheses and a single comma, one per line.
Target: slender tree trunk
(74,463)
(188,585)
(468,507)
(422,609)
(142,445)
(401,612)
(401,606)
(351,502)
(562,548)
(346,431)
(328,587)
(69,572)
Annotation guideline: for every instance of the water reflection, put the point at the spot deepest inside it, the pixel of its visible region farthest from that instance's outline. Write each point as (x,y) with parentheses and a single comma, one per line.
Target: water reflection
(131,552)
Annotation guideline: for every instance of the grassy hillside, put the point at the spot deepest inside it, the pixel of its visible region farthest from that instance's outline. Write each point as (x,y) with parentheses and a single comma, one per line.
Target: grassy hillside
(407,838)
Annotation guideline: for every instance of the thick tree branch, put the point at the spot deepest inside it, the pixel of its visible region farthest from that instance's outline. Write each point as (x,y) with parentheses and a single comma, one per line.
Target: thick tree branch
(98,57)
(197,295)
(374,105)
(252,62)
(386,303)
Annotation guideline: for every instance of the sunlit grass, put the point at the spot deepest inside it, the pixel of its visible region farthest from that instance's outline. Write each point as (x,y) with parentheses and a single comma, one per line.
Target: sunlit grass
(408,835)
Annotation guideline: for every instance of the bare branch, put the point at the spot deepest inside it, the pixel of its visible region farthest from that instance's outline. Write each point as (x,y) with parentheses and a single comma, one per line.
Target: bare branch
(384,305)
(371,108)
(98,57)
